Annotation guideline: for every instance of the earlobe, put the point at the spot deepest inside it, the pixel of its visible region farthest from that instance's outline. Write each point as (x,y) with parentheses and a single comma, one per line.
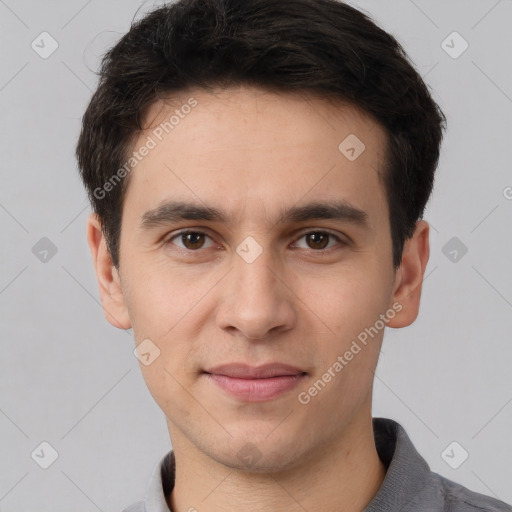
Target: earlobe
(111,294)
(409,277)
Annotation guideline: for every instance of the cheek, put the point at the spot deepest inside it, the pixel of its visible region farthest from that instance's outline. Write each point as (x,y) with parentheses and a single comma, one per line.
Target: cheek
(346,301)
(158,298)
(164,306)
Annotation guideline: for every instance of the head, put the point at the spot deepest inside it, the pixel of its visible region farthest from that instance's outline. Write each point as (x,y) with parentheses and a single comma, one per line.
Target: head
(297,144)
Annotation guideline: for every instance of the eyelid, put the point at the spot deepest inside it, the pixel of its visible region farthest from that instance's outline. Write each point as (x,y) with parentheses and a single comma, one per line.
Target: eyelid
(336,234)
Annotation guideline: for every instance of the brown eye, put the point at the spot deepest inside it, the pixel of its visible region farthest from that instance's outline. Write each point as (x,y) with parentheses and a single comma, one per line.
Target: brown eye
(190,240)
(317,240)
(193,240)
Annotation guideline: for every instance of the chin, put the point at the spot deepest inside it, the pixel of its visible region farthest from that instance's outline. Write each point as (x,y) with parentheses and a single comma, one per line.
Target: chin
(257,454)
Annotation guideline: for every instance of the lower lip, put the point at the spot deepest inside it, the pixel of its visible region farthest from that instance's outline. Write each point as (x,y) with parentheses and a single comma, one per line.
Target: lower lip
(257,390)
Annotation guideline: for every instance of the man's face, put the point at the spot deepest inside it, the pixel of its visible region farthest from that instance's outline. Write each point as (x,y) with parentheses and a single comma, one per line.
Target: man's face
(258,287)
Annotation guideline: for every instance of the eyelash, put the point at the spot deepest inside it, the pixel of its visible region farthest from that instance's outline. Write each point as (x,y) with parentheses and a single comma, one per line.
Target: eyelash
(169,241)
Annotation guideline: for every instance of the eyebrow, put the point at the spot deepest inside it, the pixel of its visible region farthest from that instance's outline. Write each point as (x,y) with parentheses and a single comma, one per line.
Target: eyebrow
(174,211)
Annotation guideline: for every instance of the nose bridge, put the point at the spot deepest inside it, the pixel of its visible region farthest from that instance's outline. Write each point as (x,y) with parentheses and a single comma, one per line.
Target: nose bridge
(254,275)
(256,300)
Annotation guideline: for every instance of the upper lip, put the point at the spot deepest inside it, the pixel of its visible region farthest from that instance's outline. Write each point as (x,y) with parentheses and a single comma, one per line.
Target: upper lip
(245,371)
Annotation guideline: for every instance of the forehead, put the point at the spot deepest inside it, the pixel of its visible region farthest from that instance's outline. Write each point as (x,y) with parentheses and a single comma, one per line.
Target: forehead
(245,148)
(308,117)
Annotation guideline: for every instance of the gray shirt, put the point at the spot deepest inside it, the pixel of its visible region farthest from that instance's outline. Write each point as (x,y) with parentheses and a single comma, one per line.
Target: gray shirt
(409,485)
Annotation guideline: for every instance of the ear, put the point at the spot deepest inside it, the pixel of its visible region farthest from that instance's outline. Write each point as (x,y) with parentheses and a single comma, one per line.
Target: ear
(111,294)
(409,276)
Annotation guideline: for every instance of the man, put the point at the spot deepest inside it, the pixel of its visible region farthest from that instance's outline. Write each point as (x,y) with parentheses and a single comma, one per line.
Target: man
(258,172)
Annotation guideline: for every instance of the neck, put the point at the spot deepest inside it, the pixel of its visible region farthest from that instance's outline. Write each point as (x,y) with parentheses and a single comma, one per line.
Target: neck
(343,475)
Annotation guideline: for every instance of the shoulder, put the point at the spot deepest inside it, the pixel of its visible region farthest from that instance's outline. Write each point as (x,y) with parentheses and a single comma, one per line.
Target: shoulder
(411,486)
(458,498)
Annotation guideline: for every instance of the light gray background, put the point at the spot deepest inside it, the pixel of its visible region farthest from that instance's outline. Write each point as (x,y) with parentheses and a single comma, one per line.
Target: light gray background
(69,378)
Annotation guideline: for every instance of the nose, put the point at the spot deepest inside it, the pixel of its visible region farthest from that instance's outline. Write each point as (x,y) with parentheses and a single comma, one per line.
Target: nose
(256,299)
